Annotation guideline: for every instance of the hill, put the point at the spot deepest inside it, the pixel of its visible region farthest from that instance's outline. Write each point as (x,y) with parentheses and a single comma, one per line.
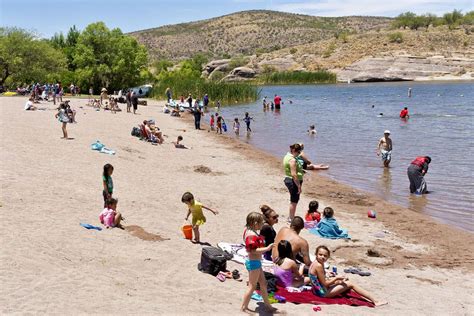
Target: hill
(248,33)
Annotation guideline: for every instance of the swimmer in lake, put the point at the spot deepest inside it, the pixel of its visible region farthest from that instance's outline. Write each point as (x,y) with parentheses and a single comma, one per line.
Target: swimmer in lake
(312,130)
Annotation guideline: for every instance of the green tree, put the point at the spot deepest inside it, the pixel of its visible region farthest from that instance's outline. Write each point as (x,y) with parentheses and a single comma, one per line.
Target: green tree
(452,19)
(24,58)
(108,58)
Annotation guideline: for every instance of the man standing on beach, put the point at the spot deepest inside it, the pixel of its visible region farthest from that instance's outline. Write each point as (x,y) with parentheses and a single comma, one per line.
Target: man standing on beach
(277,101)
(128,99)
(385,148)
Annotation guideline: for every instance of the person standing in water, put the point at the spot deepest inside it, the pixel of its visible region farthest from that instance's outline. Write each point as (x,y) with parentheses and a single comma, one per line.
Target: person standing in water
(416,174)
(384,147)
(409,92)
(404,113)
(277,101)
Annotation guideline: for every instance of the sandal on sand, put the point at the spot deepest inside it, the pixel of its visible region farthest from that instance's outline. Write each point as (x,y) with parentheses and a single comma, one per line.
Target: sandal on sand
(221,277)
(236,275)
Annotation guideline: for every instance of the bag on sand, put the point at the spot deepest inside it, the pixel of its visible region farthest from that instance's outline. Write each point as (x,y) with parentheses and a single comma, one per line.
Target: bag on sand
(213,260)
(136,132)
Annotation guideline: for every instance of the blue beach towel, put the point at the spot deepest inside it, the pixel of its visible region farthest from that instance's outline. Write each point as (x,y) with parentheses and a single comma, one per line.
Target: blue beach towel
(328,228)
(101,148)
(89,226)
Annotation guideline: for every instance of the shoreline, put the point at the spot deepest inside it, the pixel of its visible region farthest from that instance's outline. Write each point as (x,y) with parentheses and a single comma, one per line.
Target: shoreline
(50,264)
(343,196)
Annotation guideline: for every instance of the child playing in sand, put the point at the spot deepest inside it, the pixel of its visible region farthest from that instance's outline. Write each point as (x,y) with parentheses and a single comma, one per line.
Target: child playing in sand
(255,246)
(63,118)
(109,217)
(195,208)
(178,145)
(334,286)
(247,120)
(212,123)
(107,182)
(236,126)
(313,215)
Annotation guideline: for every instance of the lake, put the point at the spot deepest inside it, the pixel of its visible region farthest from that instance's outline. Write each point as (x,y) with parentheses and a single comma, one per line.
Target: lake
(349,126)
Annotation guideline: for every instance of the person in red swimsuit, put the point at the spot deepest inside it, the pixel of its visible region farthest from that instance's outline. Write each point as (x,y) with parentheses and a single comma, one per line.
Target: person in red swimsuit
(404,113)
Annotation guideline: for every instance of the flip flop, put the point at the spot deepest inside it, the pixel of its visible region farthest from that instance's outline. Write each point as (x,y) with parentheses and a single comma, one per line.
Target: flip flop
(221,277)
(352,270)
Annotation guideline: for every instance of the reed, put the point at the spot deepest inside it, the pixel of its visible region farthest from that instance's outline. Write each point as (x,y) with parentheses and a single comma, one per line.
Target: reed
(225,92)
(298,77)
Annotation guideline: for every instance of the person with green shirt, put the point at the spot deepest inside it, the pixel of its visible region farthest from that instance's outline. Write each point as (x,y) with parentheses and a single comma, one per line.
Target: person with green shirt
(293,177)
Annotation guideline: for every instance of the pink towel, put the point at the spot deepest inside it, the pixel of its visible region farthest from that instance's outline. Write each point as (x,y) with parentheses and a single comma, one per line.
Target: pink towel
(307,297)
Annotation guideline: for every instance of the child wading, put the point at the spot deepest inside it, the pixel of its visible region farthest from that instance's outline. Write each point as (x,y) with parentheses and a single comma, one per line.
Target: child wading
(247,120)
(195,208)
(108,184)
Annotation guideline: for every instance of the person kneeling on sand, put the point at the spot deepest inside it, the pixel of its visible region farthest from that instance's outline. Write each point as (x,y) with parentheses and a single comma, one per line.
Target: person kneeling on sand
(29,105)
(299,245)
(109,217)
(334,286)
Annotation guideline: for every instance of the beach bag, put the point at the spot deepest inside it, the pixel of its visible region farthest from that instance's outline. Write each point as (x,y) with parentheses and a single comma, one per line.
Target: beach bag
(136,132)
(224,127)
(213,260)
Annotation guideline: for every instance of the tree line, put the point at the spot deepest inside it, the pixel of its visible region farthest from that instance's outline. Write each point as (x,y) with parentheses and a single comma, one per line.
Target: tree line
(451,19)
(97,57)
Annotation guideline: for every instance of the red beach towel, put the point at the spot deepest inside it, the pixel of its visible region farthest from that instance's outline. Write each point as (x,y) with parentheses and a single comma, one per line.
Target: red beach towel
(307,297)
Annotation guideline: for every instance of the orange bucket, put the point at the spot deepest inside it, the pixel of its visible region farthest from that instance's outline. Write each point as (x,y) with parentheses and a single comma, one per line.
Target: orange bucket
(188,231)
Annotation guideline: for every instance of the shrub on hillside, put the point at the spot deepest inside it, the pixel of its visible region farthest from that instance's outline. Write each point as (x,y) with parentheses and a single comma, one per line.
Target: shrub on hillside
(396,37)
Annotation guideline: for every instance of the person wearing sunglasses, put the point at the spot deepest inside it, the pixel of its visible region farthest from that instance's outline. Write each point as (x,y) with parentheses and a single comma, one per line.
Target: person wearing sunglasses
(267,231)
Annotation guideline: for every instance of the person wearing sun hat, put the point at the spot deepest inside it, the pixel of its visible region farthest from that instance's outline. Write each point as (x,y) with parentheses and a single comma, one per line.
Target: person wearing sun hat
(384,148)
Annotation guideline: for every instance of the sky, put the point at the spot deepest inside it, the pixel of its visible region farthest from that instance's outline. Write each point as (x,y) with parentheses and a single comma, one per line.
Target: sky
(48,17)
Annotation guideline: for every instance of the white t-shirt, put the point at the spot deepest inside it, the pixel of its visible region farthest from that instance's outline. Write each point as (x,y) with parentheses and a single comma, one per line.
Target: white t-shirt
(28,105)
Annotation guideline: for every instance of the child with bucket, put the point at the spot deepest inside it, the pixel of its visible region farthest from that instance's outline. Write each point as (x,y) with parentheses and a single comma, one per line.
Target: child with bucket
(194,208)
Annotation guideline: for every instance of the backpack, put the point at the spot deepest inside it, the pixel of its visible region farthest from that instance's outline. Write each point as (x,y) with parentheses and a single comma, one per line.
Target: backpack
(136,132)
(213,260)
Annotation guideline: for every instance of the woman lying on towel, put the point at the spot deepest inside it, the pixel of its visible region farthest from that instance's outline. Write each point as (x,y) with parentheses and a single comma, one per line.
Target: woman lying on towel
(286,270)
(336,285)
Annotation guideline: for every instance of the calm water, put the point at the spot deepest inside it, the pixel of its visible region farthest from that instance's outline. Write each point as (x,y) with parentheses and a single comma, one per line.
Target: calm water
(441,126)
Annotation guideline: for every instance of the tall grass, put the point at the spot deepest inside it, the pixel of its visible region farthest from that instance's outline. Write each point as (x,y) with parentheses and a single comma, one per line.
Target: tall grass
(298,77)
(225,92)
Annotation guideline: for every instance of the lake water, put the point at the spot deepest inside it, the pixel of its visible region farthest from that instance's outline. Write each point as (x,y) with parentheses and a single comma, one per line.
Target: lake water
(348,130)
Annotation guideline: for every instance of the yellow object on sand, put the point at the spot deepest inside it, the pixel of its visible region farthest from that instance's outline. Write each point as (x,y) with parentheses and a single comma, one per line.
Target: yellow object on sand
(10,93)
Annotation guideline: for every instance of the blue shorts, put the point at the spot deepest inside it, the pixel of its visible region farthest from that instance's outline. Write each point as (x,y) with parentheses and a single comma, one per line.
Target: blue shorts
(253,264)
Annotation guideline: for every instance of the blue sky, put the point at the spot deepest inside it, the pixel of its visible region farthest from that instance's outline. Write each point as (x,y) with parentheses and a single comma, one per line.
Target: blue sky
(47,17)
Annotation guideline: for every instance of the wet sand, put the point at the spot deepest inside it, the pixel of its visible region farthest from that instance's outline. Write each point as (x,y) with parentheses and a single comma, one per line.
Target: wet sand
(50,264)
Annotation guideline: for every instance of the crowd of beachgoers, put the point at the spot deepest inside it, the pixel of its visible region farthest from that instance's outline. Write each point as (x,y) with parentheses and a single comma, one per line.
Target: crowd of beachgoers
(290,255)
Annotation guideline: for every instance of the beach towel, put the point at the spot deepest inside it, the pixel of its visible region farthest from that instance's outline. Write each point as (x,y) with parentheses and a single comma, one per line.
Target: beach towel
(328,228)
(89,226)
(240,253)
(307,297)
(101,148)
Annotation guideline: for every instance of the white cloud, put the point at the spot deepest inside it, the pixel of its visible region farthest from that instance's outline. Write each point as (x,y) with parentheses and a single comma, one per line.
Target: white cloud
(373,7)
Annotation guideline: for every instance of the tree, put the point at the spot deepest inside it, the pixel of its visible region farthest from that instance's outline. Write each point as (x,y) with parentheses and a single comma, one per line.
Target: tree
(108,58)
(452,19)
(24,58)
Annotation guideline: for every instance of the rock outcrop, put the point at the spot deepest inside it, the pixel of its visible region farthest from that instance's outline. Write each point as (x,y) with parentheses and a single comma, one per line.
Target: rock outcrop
(240,74)
(221,65)
(407,68)
(286,63)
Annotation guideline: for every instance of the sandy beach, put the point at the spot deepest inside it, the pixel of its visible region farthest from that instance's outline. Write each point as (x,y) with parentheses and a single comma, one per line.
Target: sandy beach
(50,264)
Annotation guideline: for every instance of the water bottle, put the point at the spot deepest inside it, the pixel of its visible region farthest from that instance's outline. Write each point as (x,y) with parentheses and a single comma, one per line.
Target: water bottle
(334,270)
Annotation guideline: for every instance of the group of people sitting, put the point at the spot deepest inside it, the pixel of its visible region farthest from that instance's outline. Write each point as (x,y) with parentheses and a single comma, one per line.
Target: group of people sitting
(290,254)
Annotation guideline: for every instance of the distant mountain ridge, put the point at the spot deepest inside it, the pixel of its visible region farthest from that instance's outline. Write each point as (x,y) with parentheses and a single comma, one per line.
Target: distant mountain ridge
(248,33)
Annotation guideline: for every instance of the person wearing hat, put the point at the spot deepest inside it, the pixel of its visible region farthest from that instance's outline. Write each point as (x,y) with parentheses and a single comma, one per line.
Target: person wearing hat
(384,148)
(103,96)
(416,174)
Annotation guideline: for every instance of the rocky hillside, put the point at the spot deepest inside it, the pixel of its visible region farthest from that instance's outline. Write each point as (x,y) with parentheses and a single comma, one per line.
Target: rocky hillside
(248,33)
